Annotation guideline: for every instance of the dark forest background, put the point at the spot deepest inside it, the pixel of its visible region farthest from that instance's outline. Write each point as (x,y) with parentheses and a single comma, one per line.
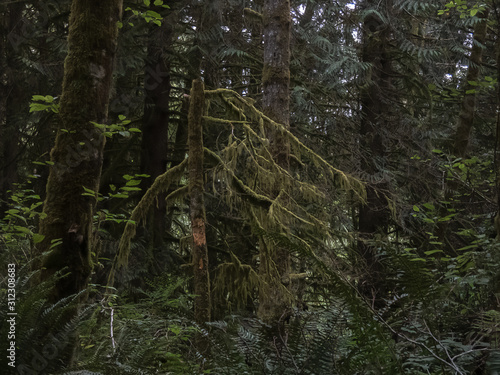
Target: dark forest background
(250,186)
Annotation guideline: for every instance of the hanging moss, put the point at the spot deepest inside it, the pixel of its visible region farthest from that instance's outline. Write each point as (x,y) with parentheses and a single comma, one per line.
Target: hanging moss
(345,181)
(140,212)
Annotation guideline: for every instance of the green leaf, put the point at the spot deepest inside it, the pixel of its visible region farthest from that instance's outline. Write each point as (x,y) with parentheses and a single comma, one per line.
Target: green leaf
(99,126)
(119,195)
(416,209)
(429,206)
(88,190)
(23,230)
(133,182)
(473,12)
(37,238)
(122,117)
(134,130)
(153,14)
(127,188)
(430,252)
(467,247)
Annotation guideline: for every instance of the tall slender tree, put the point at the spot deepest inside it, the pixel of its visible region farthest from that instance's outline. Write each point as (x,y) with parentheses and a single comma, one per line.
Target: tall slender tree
(78,150)
(275,260)
(376,121)
(155,132)
(13,101)
(197,204)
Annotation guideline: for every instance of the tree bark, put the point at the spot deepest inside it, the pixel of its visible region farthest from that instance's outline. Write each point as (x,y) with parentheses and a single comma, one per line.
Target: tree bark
(157,88)
(78,150)
(197,204)
(13,103)
(375,122)
(274,260)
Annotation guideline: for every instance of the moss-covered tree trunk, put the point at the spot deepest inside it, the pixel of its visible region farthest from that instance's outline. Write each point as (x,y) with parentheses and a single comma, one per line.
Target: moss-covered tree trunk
(78,151)
(197,204)
(275,260)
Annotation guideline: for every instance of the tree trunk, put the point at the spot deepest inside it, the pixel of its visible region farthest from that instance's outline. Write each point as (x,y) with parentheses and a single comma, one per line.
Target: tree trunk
(275,260)
(255,45)
(464,125)
(12,105)
(468,107)
(156,118)
(78,151)
(197,204)
(375,122)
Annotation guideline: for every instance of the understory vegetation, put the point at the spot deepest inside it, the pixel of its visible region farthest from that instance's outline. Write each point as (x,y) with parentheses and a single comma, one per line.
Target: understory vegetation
(250,187)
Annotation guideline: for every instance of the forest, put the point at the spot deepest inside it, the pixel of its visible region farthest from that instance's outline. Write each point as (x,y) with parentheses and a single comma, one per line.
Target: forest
(255,187)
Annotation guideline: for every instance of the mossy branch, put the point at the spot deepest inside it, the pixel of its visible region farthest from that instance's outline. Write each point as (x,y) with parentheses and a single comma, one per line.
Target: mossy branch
(247,192)
(161,184)
(346,182)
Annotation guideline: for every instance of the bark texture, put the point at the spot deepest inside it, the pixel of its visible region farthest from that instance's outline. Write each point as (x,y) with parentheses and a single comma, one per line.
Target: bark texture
(376,121)
(78,151)
(275,261)
(197,204)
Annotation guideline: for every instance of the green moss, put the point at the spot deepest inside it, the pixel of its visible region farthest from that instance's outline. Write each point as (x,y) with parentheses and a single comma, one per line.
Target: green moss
(275,75)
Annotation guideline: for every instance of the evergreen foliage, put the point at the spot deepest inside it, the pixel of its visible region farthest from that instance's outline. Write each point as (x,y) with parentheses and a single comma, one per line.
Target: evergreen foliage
(391,228)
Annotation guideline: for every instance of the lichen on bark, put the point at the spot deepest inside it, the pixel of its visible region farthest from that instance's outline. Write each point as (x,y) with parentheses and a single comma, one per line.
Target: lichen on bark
(78,150)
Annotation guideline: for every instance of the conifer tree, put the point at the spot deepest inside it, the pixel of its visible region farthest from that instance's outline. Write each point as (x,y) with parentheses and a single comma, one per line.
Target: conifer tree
(275,260)
(78,151)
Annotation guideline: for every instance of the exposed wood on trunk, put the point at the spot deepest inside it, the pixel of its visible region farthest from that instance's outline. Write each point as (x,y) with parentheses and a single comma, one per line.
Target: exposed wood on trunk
(197,204)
